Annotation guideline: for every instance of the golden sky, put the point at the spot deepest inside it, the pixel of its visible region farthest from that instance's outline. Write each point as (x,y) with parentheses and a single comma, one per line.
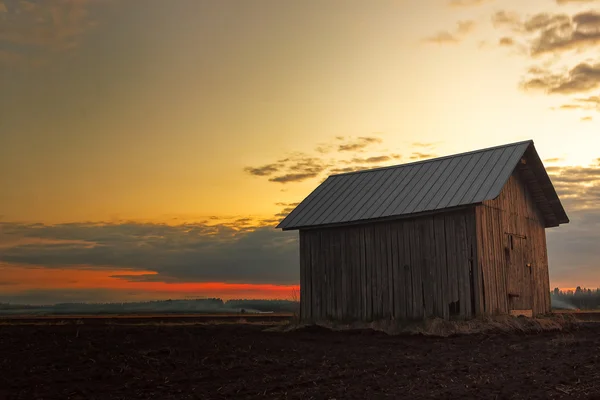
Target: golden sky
(130,125)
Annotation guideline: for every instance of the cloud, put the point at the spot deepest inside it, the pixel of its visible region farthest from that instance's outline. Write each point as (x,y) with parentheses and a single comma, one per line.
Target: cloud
(265,170)
(447,37)
(324,149)
(465,27)
(371,160)
(563,2)
(581,78)
(359,144)
(555,32)
(466,3)
(344,170)
(287,208)
(586,119)
(296,167)
(422,156)
(506,41)
(577,186)
(300,168)
(590,103)
(424,144)
(553,160)
(507,19)
(182,253)
(573,247)
(443,37)
(299,177)
(593,100)
(287,204)
(49,25)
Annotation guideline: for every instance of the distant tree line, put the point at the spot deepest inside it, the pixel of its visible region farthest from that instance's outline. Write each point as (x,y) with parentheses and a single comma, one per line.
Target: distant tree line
(210,305)
(580,298)
(264,305)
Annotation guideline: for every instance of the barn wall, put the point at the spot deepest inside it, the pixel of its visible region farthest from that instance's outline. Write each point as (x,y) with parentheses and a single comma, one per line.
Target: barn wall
(404,269)
(513,213)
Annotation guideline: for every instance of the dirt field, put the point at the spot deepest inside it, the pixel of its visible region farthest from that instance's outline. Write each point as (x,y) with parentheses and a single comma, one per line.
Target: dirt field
(142,359)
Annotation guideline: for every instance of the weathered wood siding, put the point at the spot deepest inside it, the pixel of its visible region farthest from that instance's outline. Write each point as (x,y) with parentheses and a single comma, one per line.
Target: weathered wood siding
(508,282)
(404,269)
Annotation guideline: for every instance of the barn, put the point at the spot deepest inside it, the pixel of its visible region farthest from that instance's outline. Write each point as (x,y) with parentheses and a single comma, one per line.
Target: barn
(451,237)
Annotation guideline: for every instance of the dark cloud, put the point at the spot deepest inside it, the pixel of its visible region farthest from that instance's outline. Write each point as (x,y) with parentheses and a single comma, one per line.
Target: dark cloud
(506,41)
(447,37)
(287,208)
(553,33)
(295,168)
(573,247)
(552,160)
(559,32)
(359,144)
(581,78)
(578,187)
(265,170)
(300,168)
(299,177)
(182,253)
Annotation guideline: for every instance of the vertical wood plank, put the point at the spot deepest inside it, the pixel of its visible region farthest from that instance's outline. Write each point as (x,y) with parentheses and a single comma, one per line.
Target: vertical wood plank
(391,264)
(441,267)
(368,236)
(303,271)
(415,267)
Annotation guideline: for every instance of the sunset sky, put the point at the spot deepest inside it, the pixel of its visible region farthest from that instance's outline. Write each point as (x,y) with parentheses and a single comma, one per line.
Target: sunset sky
(148,147)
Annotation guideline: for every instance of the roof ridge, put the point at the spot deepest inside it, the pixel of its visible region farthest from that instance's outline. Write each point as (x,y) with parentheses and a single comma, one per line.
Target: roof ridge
(434,159)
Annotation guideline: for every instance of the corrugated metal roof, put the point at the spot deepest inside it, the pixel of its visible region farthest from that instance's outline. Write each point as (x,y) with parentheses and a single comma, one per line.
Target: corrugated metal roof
(422,186)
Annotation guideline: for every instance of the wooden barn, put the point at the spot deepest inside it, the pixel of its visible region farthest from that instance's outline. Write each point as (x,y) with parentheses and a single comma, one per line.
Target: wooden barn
(455,236)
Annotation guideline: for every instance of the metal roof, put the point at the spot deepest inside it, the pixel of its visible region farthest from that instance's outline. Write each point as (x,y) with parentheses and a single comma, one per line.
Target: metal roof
(425,186)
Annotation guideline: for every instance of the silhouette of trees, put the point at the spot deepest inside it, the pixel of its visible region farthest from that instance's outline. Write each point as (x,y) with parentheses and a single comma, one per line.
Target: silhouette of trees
(581,298)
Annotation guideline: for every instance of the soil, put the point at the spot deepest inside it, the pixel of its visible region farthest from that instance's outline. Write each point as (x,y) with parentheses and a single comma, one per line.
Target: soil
(104,359)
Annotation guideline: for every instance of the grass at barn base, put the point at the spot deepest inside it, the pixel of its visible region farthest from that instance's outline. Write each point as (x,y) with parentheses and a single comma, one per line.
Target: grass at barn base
(438,327)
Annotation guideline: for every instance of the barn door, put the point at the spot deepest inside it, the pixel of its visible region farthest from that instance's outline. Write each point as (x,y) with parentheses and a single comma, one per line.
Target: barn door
(519,279)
